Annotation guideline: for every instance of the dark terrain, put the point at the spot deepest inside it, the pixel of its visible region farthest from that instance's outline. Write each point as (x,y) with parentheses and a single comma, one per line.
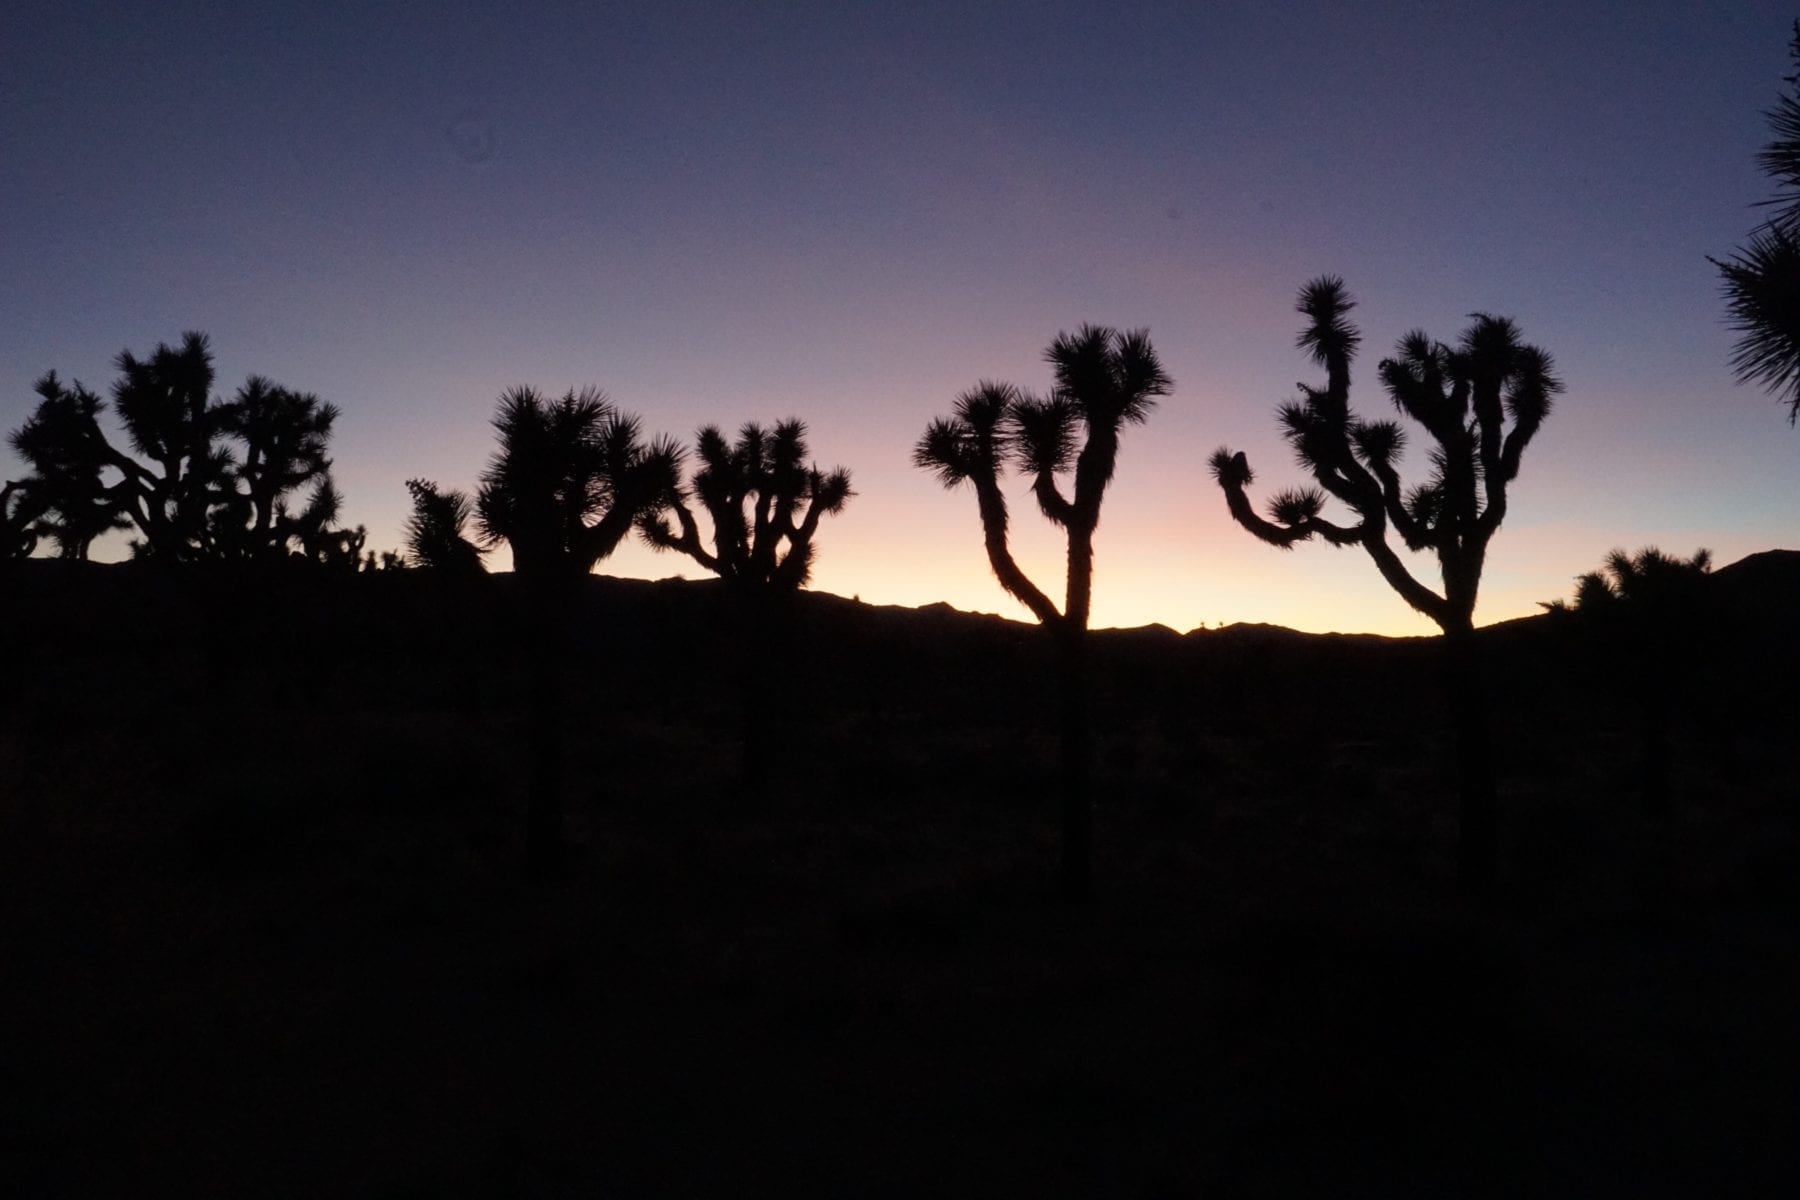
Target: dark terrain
(267,929)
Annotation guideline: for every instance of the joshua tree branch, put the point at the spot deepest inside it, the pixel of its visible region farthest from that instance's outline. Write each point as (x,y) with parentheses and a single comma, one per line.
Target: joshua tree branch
(1050,499)
(1401,580)
(993,524)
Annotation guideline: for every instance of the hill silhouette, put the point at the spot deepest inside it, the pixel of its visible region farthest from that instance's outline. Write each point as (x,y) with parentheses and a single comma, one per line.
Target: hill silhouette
(262,888)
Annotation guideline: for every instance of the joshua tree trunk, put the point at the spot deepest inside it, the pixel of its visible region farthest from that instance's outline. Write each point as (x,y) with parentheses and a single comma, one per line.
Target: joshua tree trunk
(549,603)
(1656,748)
(1478,838)
(1077,769)
(757,621)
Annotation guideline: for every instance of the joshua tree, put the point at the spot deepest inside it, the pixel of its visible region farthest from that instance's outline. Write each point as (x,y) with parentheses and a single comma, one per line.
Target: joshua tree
(193,499)
(569,481)
(1762,280)
(1645,616)
(434,532)
(166,405)
(785,496)
(764,501)
(1104,380)
(68,455)
(284,437)
(1481,402)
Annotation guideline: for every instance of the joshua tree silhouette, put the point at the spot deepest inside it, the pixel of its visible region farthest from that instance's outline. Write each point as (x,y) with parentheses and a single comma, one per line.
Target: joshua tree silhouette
(1762,280)
(758,494)
(1646,618)
(1465,396)
(195,499)
(434,531)
(570,479)
(165,404)
(67,496)
(786,497)
(1104,380)
(284,436)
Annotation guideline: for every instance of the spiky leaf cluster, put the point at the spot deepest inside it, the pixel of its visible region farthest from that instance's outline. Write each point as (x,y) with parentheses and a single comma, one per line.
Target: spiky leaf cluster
(435,537)
(1649,587)
(1761,281)
(764,499)
(1481,401)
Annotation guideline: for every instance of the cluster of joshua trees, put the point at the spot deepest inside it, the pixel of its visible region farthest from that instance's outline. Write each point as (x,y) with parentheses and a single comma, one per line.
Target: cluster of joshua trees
(249,478)
(572,477)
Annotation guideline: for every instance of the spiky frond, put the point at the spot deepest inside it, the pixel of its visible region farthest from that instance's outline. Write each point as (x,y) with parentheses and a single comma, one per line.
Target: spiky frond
(1762,293)
(946,450)
(983,408)
(1296,505)
(1140,376)
(1490,343)
(1378,442)
(1780,158)
(1044,428)
(830,492)
(1533,384)
(1415,378)
(1110,378)
(1326,304)
(434,532)
(1231,468)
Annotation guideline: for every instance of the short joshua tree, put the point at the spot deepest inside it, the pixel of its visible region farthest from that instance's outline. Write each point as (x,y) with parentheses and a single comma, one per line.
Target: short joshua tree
(1481,402)
(764,501)
(1645,617)
(67,494)
(435,532)
(1104,380)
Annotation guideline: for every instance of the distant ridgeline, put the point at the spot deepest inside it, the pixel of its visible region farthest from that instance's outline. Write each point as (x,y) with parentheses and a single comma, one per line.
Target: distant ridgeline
(115,638)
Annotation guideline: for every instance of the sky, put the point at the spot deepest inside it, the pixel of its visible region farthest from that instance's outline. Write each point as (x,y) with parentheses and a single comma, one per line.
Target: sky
(850,213)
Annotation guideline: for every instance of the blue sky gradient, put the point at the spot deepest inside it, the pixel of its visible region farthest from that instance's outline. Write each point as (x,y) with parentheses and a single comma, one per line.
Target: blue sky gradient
(722,213)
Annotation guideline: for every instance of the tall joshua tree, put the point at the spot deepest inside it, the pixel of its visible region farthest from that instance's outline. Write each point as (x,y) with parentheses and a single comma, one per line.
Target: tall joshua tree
(1481,402)
(764,501)
(1762,280)
(1104,380)
(570,479)
(67,495)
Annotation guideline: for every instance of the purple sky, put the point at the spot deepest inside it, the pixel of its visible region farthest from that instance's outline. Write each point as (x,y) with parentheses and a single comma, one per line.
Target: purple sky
(733,212)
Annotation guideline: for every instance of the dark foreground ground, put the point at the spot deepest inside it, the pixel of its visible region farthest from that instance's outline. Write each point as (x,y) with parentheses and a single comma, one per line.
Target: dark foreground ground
(266,930)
